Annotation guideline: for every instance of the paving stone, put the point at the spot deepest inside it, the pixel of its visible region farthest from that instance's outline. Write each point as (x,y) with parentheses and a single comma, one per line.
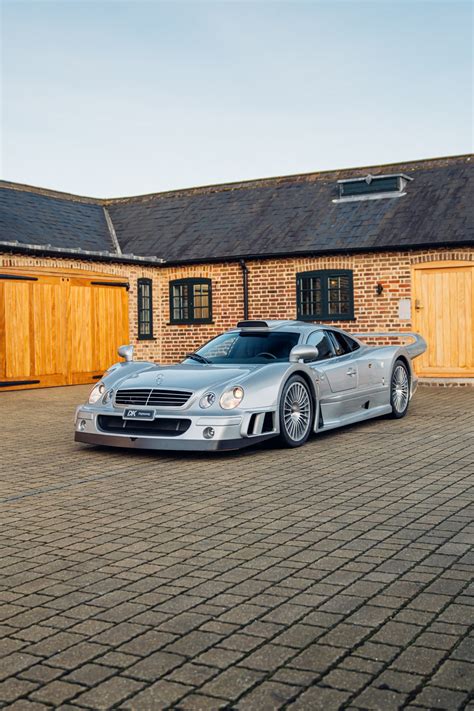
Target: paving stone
(16,662)
(27,705)
(464,650)
(192,674)
(419,660)
(220,658)
(160,695)
(146,643)
(109,693)
(316,658)
(77,655)
(231,683)
(319,698)
(375,698)
(434,697)
(193,643)
(454,674)
(12,689)
(267,697)
(90,674)
(56,692)
(268,657)
(155,666)
(199,702)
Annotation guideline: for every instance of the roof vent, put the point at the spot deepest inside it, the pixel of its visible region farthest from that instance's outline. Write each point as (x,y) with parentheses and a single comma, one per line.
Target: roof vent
(372,187)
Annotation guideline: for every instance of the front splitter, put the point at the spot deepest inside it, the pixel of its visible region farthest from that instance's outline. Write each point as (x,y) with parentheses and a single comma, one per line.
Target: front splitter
(155,443)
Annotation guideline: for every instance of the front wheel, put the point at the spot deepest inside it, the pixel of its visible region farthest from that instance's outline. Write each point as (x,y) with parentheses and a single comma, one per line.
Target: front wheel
(400,390)
(296,412)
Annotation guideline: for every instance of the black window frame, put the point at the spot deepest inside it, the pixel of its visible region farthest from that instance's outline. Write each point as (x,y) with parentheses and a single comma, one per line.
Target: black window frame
(325,275)
(145,281)
(189,283)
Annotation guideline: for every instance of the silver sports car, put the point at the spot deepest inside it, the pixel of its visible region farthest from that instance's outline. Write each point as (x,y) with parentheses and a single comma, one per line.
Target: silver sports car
(259,380)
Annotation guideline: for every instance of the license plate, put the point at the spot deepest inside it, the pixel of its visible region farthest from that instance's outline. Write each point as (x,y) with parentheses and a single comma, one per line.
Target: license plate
(133,413)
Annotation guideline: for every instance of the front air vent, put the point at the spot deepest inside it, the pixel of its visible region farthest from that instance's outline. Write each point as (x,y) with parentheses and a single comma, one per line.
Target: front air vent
(159,427)
(156,397)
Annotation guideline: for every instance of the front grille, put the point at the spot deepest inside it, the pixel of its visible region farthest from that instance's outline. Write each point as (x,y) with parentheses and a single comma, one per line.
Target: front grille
(156,397)
(161,426)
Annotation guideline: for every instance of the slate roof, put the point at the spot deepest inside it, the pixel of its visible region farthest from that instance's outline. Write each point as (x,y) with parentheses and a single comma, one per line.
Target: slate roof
(271,217)
(35,218)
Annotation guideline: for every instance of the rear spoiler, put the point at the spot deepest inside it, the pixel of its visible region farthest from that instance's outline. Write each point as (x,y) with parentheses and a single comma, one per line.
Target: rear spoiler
(414,349)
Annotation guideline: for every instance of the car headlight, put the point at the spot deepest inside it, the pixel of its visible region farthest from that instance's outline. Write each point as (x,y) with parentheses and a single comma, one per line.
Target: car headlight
(207,400)
(107,397)
(96,393)
(231,398)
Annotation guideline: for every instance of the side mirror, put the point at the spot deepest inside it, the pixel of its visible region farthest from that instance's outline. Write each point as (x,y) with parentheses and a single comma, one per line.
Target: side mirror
(126,352)
(304,353)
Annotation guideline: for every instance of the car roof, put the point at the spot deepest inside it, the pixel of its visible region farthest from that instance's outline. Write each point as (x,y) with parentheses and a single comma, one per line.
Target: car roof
(280,325)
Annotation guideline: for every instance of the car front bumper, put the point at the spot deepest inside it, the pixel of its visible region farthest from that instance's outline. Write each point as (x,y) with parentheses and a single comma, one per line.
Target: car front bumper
(205,434)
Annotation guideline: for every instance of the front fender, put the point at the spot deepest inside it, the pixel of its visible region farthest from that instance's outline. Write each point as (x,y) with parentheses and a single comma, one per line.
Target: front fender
(263,388)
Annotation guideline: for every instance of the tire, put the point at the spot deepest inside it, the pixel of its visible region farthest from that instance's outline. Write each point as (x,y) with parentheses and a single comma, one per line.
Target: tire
(296,411)
(399,389)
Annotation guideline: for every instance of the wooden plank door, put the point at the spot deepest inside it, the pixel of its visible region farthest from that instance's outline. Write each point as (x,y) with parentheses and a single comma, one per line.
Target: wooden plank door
(31,334)
(443,312)
(97,325)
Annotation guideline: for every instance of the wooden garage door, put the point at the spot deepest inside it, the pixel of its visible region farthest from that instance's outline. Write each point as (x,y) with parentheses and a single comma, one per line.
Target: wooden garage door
(57,329)
(444,315)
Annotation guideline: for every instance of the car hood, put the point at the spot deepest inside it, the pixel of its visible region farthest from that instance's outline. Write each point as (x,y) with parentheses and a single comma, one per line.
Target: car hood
(187,377)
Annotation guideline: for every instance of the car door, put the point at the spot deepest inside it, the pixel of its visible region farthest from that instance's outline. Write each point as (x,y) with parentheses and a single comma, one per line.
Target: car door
(340,369)
(337,375)
(369,372)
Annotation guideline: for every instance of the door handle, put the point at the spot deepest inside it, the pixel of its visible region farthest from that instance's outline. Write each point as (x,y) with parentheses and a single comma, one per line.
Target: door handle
(418,305)
(351,371)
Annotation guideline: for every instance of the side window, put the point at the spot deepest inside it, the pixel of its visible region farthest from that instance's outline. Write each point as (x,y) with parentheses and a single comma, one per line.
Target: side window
(343,344)
(145,309)
(322,343)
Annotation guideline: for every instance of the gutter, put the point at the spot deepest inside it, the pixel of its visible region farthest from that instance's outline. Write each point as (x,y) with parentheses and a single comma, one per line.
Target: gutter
(49,250)
(105,256)
(245,287)
(318,253)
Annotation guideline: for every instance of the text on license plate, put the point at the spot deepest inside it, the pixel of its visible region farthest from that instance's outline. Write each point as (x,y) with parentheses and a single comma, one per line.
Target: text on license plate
(133,413)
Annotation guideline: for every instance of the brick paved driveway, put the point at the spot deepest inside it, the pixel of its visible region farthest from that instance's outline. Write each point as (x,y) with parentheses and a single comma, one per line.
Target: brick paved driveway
(333,576)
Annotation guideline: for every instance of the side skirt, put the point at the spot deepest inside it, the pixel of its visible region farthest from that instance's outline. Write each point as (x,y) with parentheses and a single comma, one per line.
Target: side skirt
(356,417)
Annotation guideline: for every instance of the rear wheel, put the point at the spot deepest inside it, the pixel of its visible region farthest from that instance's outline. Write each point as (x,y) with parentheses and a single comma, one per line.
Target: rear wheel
(296,412)
(400,389)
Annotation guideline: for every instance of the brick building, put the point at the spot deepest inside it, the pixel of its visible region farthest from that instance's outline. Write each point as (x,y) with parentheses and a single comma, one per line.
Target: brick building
(380,248)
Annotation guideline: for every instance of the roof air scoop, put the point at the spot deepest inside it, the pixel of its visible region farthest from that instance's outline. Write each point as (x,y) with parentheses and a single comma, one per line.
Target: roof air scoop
(252,324)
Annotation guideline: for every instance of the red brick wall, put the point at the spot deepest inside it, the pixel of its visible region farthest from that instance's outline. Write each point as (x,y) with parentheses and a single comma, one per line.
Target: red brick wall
(272,292)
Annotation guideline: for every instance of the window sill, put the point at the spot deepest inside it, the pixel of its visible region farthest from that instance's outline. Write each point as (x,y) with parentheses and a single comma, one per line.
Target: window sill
(325,319)
(190,323)
(146,338)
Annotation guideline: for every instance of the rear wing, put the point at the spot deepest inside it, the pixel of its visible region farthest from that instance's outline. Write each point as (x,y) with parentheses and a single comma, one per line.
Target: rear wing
(414,349)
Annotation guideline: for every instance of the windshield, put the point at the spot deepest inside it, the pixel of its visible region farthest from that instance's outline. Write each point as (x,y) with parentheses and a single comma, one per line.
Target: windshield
(250,347)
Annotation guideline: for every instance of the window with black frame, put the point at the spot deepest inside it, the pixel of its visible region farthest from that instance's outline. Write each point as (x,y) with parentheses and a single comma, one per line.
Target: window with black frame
(145,309)
(325,295)
(190,301)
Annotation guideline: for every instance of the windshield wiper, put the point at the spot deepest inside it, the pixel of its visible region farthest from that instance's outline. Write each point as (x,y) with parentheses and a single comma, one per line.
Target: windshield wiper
(199,358)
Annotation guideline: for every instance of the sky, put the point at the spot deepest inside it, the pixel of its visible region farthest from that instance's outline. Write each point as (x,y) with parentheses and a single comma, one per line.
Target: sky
(124,97)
